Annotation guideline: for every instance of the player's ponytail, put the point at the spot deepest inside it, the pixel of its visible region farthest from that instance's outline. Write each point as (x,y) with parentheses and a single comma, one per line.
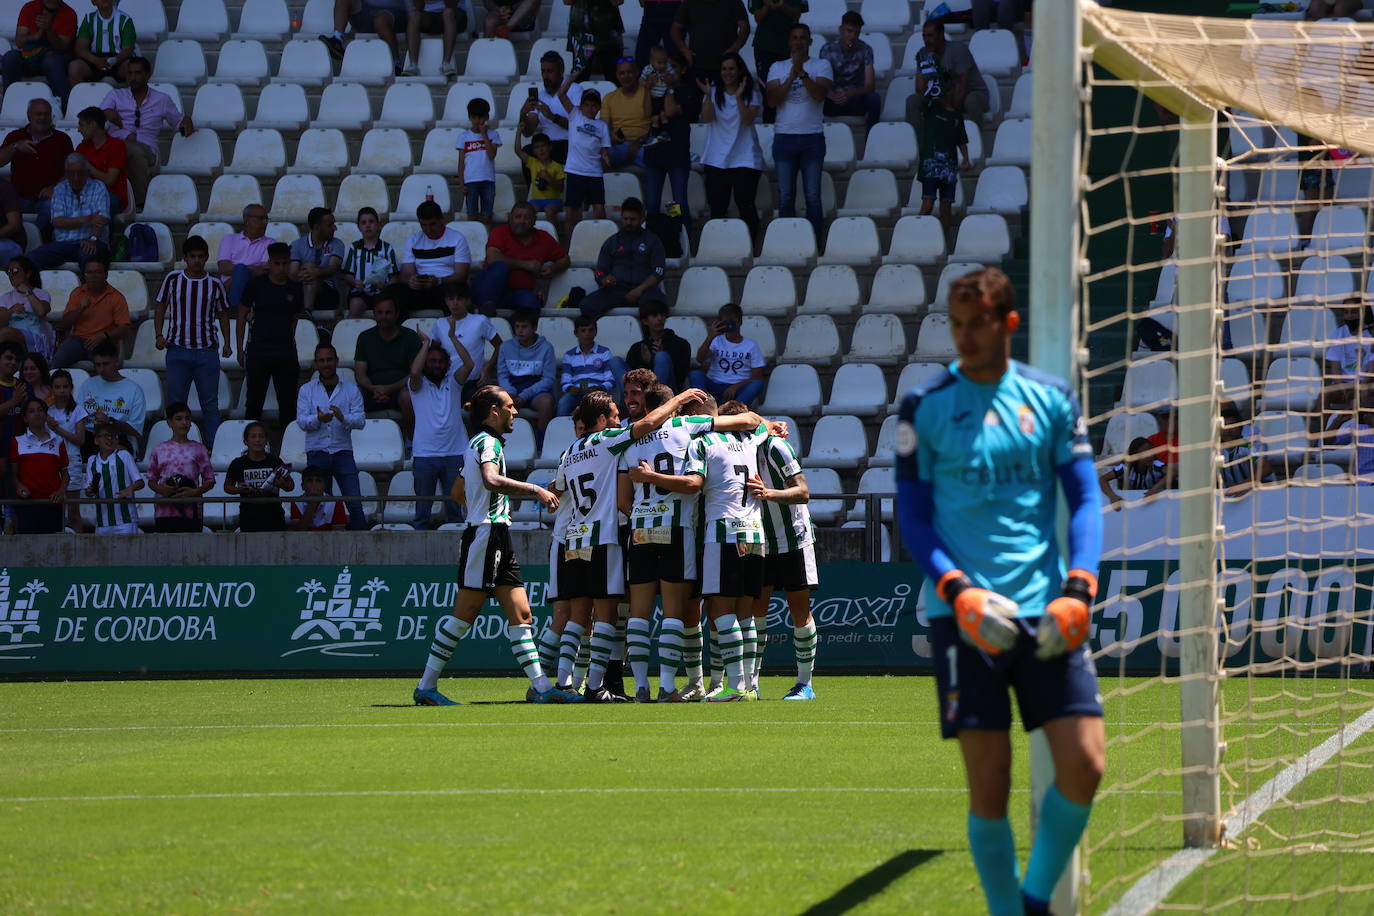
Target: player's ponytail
(483,402)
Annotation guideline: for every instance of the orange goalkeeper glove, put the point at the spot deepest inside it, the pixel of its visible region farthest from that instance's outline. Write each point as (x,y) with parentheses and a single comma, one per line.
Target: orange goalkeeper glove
(984,617)
(1065,624)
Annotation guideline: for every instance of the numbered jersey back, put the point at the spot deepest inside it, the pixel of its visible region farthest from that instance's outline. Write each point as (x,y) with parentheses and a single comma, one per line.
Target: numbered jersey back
(665,449)
(587,475)
(727,461)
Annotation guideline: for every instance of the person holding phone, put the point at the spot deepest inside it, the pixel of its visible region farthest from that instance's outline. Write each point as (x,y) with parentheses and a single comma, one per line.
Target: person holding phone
(734,363)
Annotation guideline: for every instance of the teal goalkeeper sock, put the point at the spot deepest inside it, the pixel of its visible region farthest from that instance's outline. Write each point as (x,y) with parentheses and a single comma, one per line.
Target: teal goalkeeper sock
(1061,825)
(994,855)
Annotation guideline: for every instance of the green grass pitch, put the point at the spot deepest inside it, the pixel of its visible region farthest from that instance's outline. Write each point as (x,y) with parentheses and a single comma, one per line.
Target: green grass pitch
(284,796)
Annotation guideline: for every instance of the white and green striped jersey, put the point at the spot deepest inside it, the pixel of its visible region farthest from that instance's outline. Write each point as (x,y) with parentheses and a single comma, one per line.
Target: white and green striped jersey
(726,461)
(565,505)
(484,506)
(787,526)
(665,449)
(588,476)
(107,36)
(107,476)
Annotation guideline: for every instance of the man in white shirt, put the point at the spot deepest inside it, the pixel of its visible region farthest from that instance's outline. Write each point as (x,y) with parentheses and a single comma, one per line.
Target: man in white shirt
(436,397)
(797,88)
(543,113)
(430,256)
(328,409)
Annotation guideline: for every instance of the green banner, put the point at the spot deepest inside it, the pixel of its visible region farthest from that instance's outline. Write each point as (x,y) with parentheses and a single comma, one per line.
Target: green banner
(300,619)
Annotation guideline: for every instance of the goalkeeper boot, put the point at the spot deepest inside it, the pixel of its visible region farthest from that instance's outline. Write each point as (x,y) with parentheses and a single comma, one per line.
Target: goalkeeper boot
(800,692)
(432,697)
(558,695)
(726,695)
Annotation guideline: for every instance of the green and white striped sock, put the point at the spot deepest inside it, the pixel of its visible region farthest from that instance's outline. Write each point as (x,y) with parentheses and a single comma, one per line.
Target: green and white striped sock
(760,645)
(568,648)
(526,655)
(584,661)
(804,643)
(621,625)
(731,643)
(447,633)
(638,647)
(669,653)
(691,653)
(750,646)
(603,635)
(717,669)
(548,649)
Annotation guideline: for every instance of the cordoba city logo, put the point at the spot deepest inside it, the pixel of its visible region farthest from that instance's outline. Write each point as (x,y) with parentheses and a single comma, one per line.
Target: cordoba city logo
(19,630)
(339,624)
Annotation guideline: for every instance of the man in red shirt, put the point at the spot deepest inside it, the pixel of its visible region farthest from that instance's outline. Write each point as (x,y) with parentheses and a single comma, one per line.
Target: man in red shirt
(518,257)
(42,45)
(108,156)
(37,156)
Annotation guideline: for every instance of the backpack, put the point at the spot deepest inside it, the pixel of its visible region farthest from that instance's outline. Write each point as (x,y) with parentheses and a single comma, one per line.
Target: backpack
(1153,335)
(142,243)
(669,232)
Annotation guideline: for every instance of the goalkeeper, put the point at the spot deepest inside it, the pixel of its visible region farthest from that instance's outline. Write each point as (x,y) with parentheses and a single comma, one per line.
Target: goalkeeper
(980,451)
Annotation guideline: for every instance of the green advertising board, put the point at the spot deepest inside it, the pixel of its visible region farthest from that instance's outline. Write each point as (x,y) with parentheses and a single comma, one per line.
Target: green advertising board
(362,619)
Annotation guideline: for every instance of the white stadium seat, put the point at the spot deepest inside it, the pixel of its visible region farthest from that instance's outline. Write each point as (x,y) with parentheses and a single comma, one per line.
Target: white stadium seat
(1339,230)
(788,241)
(875,480)
(587,239)
(994,50)
(407,105)
(825,480)
(170,199)
(14,109)
(456,103)
(213,232)
(723,243)
(219,105)
(367,61)
(897,289)
(542,46)
(229,195)
(378,447)
(1000,189)
(839,146)
(871,192)
(198,154)
(859,390)
(242,62)
(149,17)
(295,196)
(145,354)
(557,436)
(884,455)
(135,289)
(1149,383)
(879,339)
(358,191)
(268,20)
(760,330)
(812,339)
(385,151)
(890,145)
(1256,281)
(59,284)
(491,61)
(343,105)
(281,106)
(439,156)
(1282,436)
(894,100)
(204,20)
(1292,383)
(1123,429)
(983,238)
(1270,232)
(1320,279)
(345,337)
(402,483)
(305,62)
(933,340)
(83,95)
(823,16)
(892,17)
(181,63)
(851,240)
(321,151)
(1012,145)
(837,442)
(148,380)
(913,375)
(702,291)
(916,240)
(831,290)
(950,273)
(414,190)
(794,390)
(260,152)
(1020,105)
(769,291)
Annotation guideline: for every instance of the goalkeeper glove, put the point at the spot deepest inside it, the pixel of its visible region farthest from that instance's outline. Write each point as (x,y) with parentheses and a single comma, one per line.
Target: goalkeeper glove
(984,617)
(1065,624)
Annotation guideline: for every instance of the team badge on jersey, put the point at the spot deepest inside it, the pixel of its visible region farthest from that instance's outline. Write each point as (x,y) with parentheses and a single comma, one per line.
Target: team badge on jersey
(991,419)
(904,441)
(1026,420)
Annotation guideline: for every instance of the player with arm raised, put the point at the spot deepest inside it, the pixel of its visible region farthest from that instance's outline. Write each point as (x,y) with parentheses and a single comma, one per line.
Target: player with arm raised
(486,560)
(981,451)
(663,550)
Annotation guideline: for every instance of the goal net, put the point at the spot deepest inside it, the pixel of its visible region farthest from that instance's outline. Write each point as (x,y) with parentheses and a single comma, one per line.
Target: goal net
(1226,270)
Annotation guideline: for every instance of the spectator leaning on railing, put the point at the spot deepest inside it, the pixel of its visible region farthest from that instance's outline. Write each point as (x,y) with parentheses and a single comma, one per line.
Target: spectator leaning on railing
(179,468)
(38,468)
(328,409)
(258,473)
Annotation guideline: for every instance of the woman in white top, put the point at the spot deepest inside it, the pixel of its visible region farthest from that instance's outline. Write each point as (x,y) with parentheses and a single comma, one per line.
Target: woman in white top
(24,309)
(732,157)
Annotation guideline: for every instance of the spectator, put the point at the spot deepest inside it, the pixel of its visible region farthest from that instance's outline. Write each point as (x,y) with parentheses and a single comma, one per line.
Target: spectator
(435,393)
(12,398)
(42,46)
(1239,468)
(1009,15)
(37,156)
(110,397)
(434,17)
(111,473)
(386,18)
(271,305)
(328,515)
(315,261)
(96,314)
(38,462)
(732,157)
(1355,429)
(734,363)
(629,268)
(136,115)
(851,60)
(370,265)
(655,29)
(104,44)
(544,112)
(589,155)
(671,159)
(545,176)
(329,409)
(243,255)
(36,377)
(1349,356)
(945,69)
(658,76)
(108,157)
(944,152)
(67,418)
(80,218)
(774,20)
(527,369)
(190,303)
(588,366)
(1139,469)
(504,18)
(661,349)
(381,362)
(519,256)
(626,112)
(257,476)
(797,87)
(476,162)
(179,468)
(1316,9)
(704,31)
(595,33)
(13,237)
(431,255)
(24,309)
(462,331)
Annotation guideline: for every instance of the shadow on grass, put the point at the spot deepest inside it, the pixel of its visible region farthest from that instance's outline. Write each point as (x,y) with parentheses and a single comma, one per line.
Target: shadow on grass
(463,703)
(870,883)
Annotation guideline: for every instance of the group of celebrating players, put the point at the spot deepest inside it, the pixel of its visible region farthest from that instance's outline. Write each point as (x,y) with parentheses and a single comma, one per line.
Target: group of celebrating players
(698,505)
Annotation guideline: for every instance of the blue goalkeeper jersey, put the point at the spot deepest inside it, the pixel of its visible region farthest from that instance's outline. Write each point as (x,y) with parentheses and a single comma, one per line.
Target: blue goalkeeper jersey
(990,454)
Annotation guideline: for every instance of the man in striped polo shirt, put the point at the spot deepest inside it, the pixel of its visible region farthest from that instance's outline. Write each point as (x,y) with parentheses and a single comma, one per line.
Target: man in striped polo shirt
(104,43)
(791,561)
(190,304)
(486,559)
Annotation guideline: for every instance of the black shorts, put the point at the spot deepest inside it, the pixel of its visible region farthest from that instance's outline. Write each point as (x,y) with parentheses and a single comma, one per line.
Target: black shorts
(582,191)
(675,561)
(973,685)
(728,573)
(486,559)
(603,576)
(793,571)
(433,23)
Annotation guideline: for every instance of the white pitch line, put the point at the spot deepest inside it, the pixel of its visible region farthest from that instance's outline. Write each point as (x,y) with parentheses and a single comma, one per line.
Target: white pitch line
(290,725)
(1151,890)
